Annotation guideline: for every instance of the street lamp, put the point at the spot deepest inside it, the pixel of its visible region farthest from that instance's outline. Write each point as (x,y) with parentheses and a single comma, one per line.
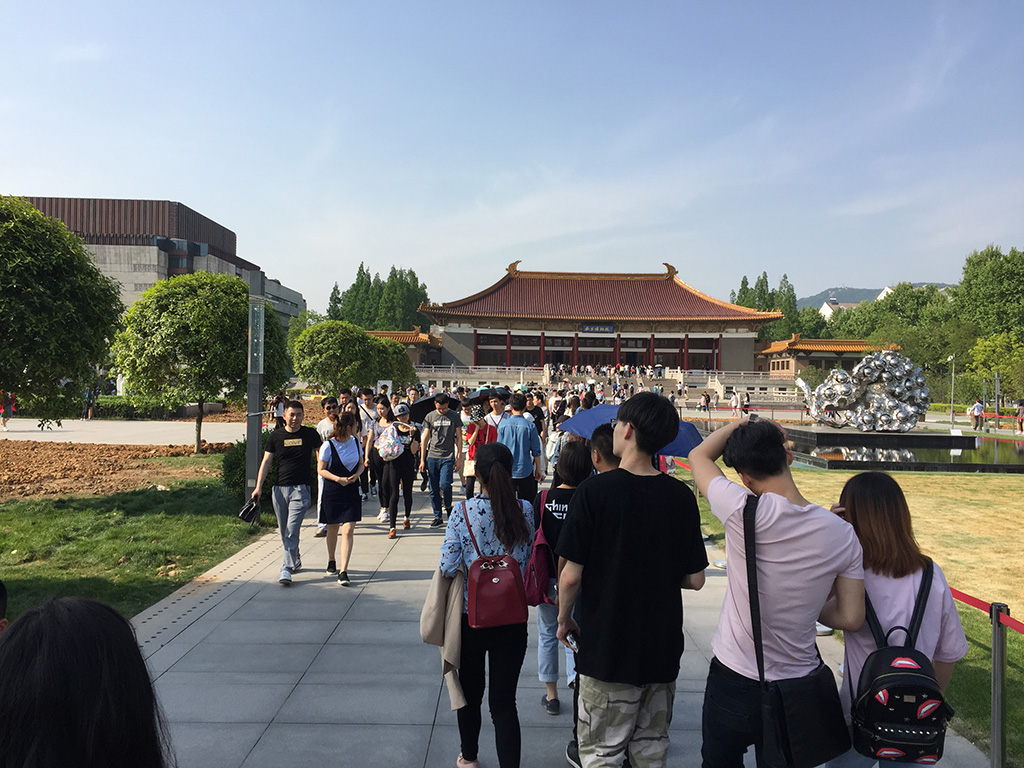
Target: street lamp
(952,384)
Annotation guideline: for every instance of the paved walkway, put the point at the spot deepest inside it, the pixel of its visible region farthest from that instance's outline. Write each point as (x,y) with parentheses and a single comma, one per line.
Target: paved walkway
(251,673)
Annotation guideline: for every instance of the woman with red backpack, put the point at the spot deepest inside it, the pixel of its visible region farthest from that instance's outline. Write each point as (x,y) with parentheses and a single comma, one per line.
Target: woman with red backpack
(490,523)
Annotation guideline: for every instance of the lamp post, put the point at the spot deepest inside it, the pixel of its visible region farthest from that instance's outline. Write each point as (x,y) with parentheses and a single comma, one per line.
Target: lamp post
(254,389)
(952,383)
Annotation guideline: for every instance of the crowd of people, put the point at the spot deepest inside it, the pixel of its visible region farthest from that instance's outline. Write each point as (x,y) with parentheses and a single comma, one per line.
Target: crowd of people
(627,540)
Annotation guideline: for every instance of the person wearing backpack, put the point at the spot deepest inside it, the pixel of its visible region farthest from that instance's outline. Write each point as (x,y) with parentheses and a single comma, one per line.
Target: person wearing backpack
(493,522)
(401,470)
(574,466)
(873,503)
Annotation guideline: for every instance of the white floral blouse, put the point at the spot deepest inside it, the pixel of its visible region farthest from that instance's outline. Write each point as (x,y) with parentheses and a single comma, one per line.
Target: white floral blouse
(458,546)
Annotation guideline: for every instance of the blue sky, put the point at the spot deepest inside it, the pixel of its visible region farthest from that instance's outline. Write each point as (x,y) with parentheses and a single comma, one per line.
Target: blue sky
(841,143)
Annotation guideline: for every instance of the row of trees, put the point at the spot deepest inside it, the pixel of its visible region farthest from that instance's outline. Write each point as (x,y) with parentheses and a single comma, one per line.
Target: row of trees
(379,305)
(184,341)
(808,322)
(979,322)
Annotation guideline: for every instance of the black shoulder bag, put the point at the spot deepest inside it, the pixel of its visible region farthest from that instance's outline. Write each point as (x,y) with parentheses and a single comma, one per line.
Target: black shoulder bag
(801,717)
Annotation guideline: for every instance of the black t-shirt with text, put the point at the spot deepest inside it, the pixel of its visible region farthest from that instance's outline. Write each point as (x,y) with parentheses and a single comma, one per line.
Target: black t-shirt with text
(556,507)
(636,537)
(293,451)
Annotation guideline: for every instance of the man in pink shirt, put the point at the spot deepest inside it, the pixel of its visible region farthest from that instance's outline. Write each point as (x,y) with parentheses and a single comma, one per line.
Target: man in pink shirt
(804,554)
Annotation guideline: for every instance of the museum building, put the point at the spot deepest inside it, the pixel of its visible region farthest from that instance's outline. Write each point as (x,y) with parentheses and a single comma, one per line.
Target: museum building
(538,318)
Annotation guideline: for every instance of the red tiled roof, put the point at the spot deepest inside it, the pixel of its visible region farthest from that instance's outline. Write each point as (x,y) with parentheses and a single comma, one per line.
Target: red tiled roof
(796,344)
(595,296)
(415,336)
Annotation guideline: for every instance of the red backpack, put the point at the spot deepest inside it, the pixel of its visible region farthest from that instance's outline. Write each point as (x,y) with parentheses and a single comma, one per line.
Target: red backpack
(541,566)
(495,588)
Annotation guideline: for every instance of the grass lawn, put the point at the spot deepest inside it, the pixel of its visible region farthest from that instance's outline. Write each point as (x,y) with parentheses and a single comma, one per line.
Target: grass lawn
(128,549)
(969,524)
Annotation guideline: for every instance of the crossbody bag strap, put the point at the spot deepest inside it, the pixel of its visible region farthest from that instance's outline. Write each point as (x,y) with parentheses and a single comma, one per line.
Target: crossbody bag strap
(920,604)
(749,510)
(465,517)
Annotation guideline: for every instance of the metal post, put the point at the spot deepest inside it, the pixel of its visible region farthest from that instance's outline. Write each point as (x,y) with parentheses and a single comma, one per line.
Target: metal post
(998,736)
(254,389)
(997,401)
(952,385)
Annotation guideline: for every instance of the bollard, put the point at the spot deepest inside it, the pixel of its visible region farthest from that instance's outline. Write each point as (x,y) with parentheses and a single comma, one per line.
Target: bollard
(998,736)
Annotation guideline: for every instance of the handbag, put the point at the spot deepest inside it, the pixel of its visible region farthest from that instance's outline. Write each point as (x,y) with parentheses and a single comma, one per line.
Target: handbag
(496,594)
(250,511)
(801,718)
(469,468)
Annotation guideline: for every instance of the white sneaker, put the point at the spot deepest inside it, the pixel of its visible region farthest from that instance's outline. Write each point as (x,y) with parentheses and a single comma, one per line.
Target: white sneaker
(286,577)
(383,516)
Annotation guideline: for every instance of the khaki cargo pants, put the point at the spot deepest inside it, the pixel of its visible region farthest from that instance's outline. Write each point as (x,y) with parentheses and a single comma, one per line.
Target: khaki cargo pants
(619,720)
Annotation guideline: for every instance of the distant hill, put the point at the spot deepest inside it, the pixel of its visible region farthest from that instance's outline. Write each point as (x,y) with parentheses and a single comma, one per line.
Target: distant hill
(852,295)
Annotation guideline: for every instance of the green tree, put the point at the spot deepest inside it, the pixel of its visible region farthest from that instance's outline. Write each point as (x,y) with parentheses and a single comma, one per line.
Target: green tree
(186,340)
(58,312)
(742,296)
(336,355)
(1001,353)
(335,305)
(299,323)
(373,305)
(761,296)
(810,324)
(389,313)
(991,292)
(784,299)
(356,300)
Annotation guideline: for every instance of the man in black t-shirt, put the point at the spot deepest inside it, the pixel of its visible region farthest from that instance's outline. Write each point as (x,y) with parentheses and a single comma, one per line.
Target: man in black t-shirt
(293,445)
(631,541)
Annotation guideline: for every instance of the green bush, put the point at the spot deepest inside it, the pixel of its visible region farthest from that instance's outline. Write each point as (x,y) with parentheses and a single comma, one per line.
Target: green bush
(233,470)
(120,407)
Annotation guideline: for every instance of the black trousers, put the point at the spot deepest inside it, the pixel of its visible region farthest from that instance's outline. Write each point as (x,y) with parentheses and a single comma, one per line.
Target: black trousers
(504,649)
(526,488)
(731,721)
(376,472)
(399,472)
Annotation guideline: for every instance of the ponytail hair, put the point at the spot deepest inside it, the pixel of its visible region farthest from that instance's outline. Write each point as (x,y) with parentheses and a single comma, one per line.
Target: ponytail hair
(345,426)
(494,468)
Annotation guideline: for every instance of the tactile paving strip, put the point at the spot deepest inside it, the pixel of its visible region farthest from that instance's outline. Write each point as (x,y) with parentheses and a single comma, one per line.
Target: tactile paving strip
(161,623)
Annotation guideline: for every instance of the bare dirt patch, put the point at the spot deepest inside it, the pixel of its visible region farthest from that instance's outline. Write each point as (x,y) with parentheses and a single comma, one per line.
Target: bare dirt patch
(29,468)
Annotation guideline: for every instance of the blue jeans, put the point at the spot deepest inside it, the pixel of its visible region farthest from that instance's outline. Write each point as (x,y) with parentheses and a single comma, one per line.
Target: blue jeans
(548,647)
(440,473)
(290,505)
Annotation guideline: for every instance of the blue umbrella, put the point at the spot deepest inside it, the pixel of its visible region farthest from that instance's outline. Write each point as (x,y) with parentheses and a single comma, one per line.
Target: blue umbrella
(585,421)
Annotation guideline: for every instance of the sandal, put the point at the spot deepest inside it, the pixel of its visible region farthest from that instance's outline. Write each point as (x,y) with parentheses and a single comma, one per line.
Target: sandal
(392,534)
(407,525)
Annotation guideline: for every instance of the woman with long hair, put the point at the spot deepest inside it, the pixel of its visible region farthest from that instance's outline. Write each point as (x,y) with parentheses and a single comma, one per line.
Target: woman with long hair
(573,467)
(479,432)
(75,691)
(385,418)
(340,463)
(873,503)
(500,523)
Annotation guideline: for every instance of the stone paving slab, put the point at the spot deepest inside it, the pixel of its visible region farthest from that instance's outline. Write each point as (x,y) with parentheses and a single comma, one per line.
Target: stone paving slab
(251,673)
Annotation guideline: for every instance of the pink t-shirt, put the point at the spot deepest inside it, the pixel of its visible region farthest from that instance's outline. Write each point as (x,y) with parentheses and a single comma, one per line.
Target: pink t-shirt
(941,637)
(800,552)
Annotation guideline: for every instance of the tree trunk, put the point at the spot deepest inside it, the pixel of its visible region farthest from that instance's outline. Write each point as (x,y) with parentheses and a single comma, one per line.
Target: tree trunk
(199,428)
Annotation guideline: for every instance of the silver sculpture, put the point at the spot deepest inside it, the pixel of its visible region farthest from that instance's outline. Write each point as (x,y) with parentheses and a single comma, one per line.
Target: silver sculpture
(884,393)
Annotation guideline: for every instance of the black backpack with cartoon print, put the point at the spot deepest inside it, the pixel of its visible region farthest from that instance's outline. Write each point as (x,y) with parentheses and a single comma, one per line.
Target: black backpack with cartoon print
(899,714)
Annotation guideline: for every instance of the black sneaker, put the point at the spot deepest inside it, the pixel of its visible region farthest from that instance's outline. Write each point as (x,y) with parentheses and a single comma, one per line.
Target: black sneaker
(437,522)
(343,579)
(332,567)
(572,755)
(551,706)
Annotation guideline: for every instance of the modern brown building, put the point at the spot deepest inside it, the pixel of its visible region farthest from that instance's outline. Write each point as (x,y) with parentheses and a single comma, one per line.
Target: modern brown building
(538,318)
(138,242)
